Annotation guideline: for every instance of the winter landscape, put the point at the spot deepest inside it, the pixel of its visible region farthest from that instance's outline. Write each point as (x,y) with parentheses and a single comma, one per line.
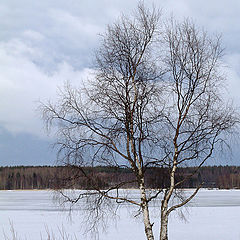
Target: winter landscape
(119,120)
(214,214)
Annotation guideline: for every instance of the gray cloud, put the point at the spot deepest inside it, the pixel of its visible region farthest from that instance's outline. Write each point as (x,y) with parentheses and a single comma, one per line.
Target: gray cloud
(25,149)
(45,43)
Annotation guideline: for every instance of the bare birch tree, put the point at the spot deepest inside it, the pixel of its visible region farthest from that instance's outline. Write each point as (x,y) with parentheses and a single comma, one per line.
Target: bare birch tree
(155,100)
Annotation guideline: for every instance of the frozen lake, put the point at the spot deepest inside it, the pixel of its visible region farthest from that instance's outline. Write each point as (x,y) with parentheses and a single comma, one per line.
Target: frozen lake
(212,214)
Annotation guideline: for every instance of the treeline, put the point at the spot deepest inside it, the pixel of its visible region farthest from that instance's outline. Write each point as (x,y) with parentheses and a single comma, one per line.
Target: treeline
(46,177)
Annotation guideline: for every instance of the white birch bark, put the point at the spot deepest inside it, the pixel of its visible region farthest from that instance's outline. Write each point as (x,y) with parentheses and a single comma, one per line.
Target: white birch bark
(164,222)
(146,217)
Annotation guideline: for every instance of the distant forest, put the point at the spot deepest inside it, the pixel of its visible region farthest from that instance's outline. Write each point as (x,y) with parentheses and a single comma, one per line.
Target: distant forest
(22,177)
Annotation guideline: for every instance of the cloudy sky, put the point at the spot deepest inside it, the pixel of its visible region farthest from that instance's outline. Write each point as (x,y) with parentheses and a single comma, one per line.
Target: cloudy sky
(46,43)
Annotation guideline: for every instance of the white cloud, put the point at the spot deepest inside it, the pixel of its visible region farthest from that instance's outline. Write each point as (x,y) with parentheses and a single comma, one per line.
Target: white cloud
(33,35)
(75,24)
(22,83)
(232,72)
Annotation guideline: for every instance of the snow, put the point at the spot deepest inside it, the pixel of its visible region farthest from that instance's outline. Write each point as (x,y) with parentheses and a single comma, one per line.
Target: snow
(214,214)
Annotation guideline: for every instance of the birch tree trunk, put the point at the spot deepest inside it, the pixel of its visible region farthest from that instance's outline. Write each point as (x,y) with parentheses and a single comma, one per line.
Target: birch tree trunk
(164,222)
(146,217)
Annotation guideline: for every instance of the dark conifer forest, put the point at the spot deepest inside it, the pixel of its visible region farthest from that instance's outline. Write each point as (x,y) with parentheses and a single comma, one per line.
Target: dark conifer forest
(46,177)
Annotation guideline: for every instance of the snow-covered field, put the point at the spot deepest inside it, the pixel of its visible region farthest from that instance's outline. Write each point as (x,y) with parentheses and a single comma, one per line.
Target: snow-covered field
(214,214)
